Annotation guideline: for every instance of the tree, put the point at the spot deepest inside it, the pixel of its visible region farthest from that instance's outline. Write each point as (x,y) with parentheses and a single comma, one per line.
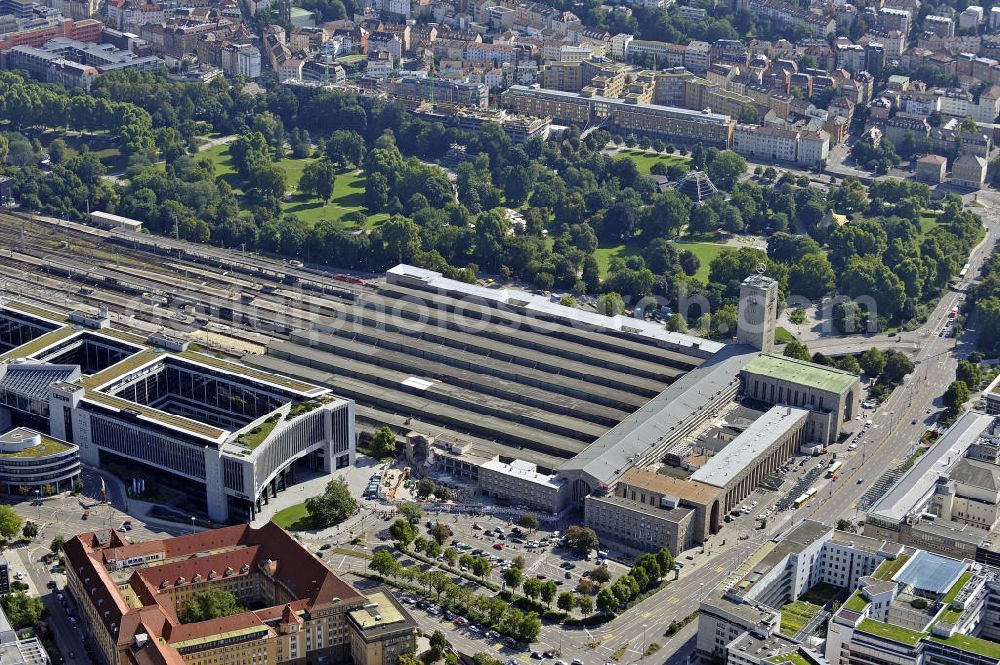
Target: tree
(22,610)
(384,442)
(566,601)
(346,148)
(438,640)
(812,276)
(532,587)
(529,627)
(586,604)
(581,539)
(649,563)
(385,564)
(519,562)
(332,507)
(970,373)
(897,366)
(57,544)
(411,511)
(451,556)
(689,262)
(601,575)
(512,578)
(528,521)
(30,530)
(10,522)
(481,567)
(610,304)
(872,362)
(425,487)
(409,659)
(797,350)
(485,659)
(549,590)
(676,323)
(726,169)
(212,603)
(667,215)
(441,532)
(606,601)
(846,525)
(749,115)
(665,558)
(402,532)
(956,395)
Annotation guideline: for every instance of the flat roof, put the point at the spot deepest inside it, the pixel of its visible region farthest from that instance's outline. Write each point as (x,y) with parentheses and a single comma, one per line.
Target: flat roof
(670,486)
(802,372)
(523,470)
(606,459)
(675,514)
(40,343)
(687,114)
(46,446)
(918,482)
(544,306)
(744,450)
(384,609)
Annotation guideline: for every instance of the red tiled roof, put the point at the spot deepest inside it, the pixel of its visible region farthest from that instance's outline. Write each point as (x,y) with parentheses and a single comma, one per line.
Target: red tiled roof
(240,548)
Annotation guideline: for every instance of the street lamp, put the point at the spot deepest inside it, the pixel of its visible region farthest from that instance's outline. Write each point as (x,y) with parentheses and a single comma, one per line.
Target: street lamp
(192,524)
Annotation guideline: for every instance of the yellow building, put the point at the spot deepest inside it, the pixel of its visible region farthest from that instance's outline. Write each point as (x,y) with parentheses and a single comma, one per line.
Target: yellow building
(132,597)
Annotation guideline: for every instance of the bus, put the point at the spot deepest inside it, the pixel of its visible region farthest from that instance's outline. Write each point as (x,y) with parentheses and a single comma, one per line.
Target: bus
(834,469)
(953,314)
(804,498)
(964,271)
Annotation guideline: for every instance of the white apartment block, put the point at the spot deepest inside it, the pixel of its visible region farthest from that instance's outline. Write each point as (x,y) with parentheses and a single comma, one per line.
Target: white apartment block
(814,148)
(779,144)
(766,143)
(619,45)
(696,57)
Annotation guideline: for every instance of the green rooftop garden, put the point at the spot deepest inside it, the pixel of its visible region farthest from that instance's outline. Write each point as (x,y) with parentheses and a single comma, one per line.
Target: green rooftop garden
(44,449)
(794,658)
(795,615)
(956,587)
(256,436)
(890,632)
(890,567)
(236,368)
(37,344)
(971,644)
(856,602)
(300,408)
(949,615)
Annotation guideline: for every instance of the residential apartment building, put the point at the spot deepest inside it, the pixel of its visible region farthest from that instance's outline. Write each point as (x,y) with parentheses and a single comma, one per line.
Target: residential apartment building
(789,14)
(414,88)
(241,60)
(766,143)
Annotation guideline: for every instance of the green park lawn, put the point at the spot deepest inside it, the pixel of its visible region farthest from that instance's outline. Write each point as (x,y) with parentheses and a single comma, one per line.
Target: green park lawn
(928,222)
(705,251)
(644,160)
(348,190)
(293,518)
